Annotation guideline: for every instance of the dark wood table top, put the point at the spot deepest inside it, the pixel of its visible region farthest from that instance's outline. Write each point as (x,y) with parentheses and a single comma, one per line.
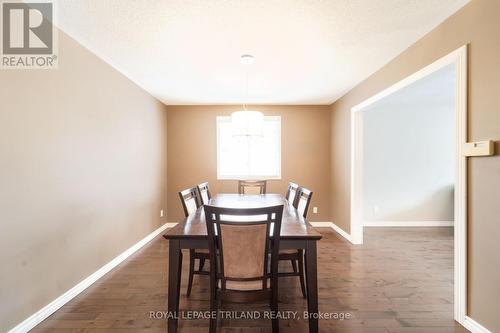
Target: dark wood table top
(293,225)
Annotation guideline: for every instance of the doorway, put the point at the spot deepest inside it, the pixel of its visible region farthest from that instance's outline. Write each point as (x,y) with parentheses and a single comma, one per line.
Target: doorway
(456,65)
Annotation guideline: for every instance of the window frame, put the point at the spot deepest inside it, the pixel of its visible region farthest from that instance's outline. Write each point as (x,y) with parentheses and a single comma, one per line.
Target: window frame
(247,177)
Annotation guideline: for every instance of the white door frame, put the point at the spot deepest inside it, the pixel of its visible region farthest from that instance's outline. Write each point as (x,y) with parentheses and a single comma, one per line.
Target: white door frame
(459,59)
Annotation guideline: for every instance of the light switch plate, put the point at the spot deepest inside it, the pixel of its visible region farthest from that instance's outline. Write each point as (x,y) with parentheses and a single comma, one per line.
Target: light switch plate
(478,148)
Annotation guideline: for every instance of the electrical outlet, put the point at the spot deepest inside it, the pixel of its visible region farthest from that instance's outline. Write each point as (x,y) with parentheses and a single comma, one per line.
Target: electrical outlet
(315,210)
(161,213)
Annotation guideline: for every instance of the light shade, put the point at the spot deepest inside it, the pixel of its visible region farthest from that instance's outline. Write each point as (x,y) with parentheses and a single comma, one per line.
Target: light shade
(247,123)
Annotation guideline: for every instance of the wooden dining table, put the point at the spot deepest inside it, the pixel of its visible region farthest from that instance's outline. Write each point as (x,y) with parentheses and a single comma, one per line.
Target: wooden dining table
(191,233)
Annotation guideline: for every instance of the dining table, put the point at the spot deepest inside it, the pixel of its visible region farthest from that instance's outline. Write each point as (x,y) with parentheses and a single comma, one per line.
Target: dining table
(296,233)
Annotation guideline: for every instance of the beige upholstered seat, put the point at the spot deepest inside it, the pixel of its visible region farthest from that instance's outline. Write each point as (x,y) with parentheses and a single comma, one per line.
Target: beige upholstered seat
(291,251)
(252,186)
(245,285)
(240,250)
(243,248)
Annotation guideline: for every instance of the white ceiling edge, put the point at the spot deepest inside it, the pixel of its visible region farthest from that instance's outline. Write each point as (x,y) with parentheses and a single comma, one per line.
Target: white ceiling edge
(330,102)
(108,61)
(395,57)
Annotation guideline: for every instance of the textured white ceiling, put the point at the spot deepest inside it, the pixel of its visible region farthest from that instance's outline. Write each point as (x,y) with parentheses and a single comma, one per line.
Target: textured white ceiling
(306,51)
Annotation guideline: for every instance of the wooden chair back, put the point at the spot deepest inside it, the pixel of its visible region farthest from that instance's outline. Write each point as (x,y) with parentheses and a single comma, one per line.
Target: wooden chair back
(291,192)
(243,239)
(252,186)
(302,200)
(204,193)
(190,200)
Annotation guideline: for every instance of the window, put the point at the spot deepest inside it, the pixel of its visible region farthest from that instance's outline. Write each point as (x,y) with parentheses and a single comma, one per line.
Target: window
(249,158)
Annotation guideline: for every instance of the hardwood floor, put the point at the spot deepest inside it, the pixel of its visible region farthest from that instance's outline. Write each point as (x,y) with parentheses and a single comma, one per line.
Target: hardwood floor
(399,281)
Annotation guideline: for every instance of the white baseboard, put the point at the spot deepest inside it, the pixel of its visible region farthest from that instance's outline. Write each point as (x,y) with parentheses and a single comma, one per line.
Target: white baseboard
(474,326)
(321,224)
(408,223)
(383,224)
(334,227)
(53,306)
(341,232)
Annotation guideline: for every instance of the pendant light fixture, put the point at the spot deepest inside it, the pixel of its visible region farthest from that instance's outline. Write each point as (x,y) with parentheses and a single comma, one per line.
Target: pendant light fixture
(247,123)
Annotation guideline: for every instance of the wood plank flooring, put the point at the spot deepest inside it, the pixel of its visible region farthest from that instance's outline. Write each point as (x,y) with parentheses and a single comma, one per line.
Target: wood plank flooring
(399,281)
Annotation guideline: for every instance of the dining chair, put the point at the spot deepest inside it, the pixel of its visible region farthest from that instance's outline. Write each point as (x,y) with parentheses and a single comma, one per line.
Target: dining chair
(291,192)
(240,241)
(204,193)
(301,202)
(252,186)
(191,200)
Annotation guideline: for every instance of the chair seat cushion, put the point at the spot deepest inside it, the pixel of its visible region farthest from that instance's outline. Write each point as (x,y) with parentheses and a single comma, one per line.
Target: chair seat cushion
(244,285)
(288,251)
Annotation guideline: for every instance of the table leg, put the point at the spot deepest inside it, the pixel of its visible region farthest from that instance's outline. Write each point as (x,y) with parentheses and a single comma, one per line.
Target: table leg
(312,285)
(174,282)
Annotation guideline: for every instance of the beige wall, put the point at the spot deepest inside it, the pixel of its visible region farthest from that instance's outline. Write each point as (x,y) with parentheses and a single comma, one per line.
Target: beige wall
(477,24)
(83,153)
(305,145)
(82,174)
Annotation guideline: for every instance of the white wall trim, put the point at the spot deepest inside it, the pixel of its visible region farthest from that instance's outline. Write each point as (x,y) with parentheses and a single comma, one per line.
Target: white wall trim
(459,59)
(53,306)
(408,223)
(474,326)
(335,227)
(342,233)
(321,224)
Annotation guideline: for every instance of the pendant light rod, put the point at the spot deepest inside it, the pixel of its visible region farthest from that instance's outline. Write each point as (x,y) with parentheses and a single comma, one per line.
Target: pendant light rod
(246,60)
(246,123)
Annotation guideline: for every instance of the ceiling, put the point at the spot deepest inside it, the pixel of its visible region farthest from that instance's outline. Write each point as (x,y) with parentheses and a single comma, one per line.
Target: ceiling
(306,51)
